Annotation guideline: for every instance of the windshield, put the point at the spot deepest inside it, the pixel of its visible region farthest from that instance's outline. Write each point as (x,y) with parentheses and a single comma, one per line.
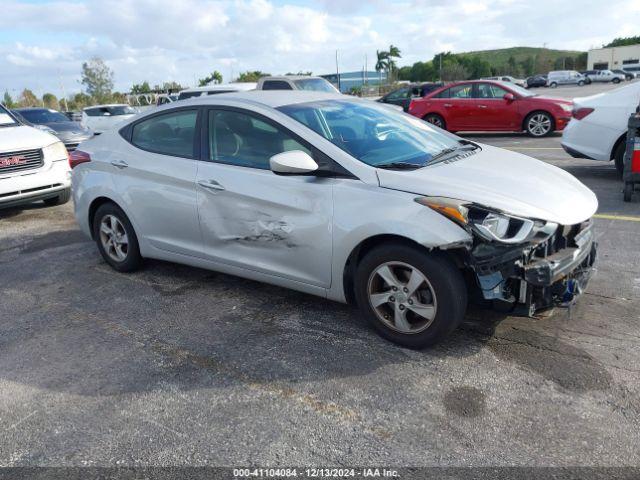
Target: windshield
(122,110)
(371,133)
(315,84)
(43,116)
(6,119)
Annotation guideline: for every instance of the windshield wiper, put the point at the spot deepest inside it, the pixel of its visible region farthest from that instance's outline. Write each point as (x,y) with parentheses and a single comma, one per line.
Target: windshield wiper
(400,166)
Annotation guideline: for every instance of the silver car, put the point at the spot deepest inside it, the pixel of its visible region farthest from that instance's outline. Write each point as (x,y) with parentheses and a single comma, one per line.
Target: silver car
(341,198)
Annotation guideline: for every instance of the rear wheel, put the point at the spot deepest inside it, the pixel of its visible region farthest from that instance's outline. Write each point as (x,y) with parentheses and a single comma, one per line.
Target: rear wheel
(411,297)
(553,84)
(116,239)
(618,157)
(628,191)
(616,80)
(581,83)
(62,198)
(436,120)
(539,124)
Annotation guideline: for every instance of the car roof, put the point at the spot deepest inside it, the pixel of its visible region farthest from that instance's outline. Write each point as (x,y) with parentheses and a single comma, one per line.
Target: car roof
(289,77)
(32,109)
(107,105)
(240,86)
(270,98)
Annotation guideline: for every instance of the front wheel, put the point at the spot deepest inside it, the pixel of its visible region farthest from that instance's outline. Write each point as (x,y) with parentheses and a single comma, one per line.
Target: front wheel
(411,297)
(581,83)
(616,80)
(553,84)
(618,157)
(116,239)
(539,124)
(435,119)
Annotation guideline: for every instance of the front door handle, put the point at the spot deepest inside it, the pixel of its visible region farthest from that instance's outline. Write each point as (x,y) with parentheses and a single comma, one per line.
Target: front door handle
(482,106)
(211,185)
(447,105)
(119,164)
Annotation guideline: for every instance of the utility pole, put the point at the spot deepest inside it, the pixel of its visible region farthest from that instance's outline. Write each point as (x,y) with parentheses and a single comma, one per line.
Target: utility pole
(64,95)
(338,71)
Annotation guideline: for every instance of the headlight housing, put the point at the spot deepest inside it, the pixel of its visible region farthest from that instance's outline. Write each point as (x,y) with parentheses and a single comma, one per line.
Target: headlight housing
(56,152)
(488,224)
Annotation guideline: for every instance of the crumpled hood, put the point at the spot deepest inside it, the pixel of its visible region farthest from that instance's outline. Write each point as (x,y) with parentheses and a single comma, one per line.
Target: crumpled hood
(502,180)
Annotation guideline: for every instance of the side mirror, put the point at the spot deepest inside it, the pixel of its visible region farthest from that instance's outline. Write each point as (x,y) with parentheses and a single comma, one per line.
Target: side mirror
(509,97)
(294,162)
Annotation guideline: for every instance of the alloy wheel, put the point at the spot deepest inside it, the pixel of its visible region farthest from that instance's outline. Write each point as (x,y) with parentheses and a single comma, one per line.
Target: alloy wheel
(539,125)
(437,121)
(113,238)
(402,297)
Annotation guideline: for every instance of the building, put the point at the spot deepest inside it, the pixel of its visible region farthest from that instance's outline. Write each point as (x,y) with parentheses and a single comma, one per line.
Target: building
(349,80)
(613,57)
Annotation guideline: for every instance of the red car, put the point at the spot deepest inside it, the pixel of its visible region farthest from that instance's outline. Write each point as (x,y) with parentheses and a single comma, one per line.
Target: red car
(488,106)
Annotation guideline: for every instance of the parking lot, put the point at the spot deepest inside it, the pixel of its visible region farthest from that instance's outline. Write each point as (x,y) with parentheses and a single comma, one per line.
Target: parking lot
(179,366)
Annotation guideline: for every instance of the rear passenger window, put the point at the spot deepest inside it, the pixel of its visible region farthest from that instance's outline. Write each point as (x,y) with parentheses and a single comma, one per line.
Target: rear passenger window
(460,91)
(276,85)
(168,134)
(240,139)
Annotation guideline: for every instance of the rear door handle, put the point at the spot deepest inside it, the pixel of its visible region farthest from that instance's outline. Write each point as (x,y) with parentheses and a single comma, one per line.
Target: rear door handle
(482,106)
(211,185)
(447,105)
(119,164)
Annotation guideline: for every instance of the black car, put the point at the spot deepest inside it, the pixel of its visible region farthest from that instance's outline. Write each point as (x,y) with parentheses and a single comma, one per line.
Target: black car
(627,75)
(536,81)
(403,95)
(70,133)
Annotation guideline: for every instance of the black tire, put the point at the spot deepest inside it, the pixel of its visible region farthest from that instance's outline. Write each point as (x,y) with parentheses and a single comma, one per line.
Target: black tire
(446,282)
(581,83)
(435,119)
(531,133)
(616,80)
(628,191)
(133,259)
(588,80)
(618,157)
(553,84)
(63,198)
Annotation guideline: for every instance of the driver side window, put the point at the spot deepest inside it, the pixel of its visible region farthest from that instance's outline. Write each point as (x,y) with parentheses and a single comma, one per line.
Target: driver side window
(237,138)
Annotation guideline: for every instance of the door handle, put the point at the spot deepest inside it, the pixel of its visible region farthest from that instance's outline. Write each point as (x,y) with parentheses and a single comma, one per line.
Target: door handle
(211,185)
(119,164)
(482,106)
(447,105)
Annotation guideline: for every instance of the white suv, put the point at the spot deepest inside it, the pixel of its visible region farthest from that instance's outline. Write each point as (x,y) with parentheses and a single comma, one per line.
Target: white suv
(34,165)
(606,76)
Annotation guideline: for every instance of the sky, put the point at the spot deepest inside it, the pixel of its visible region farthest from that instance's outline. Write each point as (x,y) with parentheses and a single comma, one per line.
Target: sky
(44,42)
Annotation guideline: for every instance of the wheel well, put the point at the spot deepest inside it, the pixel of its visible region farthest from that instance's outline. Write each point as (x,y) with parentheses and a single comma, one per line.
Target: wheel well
(526,117)
(372,242)
(95,204)
(622,138)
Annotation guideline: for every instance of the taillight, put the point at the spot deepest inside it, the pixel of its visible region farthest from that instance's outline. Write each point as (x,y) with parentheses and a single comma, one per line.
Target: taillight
(580,113)
(77,157)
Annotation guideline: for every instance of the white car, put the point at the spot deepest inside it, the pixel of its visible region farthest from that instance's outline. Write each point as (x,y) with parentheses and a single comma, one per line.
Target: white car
(216,89)
(296,82)
(101,118)
(521,82)
(342,198)
(34,165)
(606,76)
(598,128)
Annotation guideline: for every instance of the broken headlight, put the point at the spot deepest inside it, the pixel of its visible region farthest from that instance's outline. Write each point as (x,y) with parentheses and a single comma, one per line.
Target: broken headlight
(489,224)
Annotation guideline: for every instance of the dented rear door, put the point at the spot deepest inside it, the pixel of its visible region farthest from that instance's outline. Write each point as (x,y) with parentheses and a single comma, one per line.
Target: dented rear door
(255,219)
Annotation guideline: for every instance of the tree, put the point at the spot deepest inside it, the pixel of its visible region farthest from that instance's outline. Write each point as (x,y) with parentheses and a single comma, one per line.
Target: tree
(137,89)
(623,41)
(453,70)
(382,63)
(528,66)
(251,76)
(28,99)
(50,101)
(301,74)
(97,78)
(394,52)
(214,77)
(78,101)
(7,100)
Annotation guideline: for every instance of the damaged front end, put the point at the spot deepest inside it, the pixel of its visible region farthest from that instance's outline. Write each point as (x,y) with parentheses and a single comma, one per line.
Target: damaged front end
(520,263)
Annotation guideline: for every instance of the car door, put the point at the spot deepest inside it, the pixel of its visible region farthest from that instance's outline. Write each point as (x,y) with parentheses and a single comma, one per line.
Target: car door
(156,176)
(252,218)
(399,97)
(457,105)
(492,111)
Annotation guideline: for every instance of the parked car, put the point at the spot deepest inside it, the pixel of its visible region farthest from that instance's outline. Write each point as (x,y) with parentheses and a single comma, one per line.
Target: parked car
(566,77)
(492,106)
(536,81)
(598,129)
(34,165)
(338,197)
(402,96)
(296,82)
(70,133)
(216,89)
(605,76)
(633,69)
(509,79)
(627,75)
(101,118)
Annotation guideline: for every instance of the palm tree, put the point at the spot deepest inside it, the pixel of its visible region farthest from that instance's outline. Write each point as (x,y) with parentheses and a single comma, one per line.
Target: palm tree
(382,63)
(394,52)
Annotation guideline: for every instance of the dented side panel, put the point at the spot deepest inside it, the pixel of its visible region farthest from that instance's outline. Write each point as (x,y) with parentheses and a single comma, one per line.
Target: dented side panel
(279,225)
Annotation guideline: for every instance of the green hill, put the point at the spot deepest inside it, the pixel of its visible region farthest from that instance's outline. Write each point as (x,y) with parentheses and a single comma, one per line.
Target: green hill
(499,58)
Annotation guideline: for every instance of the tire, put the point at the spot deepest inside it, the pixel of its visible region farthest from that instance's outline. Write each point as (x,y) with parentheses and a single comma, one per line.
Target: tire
(588,81)
(618,157)
(441,295)
(616,80)
(435,119)
(628,191)
(61,199)
(553,84)
(581,83)
(120,250)
(539,124)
